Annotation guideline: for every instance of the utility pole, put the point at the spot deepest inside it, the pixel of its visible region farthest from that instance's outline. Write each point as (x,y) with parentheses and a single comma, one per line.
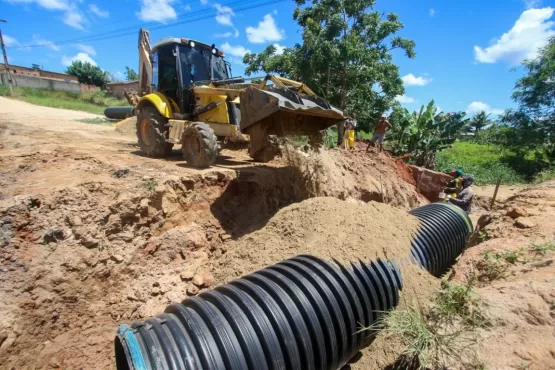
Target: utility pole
(8,74)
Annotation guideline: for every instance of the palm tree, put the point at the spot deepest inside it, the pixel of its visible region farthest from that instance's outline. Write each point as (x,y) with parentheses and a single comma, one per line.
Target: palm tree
(479,121)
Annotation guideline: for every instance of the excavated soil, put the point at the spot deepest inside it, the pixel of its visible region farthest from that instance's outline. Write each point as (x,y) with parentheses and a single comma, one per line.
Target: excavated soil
(93,234)
(324,227)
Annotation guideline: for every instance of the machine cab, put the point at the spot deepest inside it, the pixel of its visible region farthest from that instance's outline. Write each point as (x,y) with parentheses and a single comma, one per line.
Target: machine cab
(180,64)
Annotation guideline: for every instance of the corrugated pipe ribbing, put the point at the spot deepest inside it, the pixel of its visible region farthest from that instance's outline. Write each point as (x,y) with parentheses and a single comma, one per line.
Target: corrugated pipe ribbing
(301,313)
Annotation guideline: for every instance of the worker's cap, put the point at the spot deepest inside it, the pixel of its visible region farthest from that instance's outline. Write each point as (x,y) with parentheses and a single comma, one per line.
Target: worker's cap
(384,115)
(469,179)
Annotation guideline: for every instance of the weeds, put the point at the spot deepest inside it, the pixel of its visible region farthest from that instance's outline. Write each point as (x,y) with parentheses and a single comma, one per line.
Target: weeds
(459,302)
(544,247)
(428,343)
(490,267)
(443,333)
(96,121)
(511,257)
(149,185)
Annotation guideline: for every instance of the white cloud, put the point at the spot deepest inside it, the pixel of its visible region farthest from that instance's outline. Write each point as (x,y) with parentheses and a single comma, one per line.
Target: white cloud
(412,80)
(439,110)
(83,57)
(86,49)
(403,99)
(99,12)
(228,34)
(532,3)
(478,106)
(432,12)
(48,4)
(204,2)
(279,48)
(38,40)
(530,32)
(120,76)
(186,7)
(267,30)
(11,42)
(224,14)
(74,18)
(157,10)
(236,51)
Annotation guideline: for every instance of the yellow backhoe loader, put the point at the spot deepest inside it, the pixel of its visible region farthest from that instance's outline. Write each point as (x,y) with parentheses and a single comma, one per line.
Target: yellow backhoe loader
(187,96)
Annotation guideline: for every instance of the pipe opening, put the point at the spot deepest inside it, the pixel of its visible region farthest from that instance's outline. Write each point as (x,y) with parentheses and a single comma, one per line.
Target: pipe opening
(121,356)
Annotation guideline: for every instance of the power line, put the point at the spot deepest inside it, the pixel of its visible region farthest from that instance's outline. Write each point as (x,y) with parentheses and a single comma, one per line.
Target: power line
(190,18)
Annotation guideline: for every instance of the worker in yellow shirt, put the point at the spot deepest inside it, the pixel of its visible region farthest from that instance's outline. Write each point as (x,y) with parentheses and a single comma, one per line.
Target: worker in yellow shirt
(349,136)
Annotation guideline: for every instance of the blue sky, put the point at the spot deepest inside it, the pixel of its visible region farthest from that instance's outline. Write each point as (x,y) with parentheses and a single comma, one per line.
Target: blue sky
(468,52)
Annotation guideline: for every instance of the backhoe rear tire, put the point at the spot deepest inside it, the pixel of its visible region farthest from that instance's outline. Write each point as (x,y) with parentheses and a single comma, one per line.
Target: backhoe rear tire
(152,132)
(199,145)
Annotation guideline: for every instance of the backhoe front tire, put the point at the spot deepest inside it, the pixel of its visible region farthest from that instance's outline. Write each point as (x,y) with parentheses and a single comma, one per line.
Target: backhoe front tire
(199,145)
(152,132)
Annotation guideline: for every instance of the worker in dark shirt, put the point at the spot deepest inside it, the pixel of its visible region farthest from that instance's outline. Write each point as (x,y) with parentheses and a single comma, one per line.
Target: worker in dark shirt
(464,198)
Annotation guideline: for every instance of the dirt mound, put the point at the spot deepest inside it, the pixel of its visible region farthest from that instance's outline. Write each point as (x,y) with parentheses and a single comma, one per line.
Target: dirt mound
(324,227)
(127,127)
(332,228)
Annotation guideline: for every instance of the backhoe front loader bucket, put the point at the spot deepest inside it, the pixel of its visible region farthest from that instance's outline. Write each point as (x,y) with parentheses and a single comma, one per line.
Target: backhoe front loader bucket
(282,112)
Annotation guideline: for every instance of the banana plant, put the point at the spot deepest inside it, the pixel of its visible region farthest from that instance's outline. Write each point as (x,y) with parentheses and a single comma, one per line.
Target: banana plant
(424,133)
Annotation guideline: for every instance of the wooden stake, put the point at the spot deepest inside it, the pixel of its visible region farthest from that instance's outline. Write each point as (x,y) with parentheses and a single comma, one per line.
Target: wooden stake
(495,193)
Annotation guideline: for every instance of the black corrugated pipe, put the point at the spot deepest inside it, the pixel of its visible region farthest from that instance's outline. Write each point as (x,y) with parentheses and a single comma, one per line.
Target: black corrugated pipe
(302,313)
(442,236)
(119,112)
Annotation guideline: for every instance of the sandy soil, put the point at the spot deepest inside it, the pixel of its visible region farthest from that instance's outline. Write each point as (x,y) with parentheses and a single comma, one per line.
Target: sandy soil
(93,234)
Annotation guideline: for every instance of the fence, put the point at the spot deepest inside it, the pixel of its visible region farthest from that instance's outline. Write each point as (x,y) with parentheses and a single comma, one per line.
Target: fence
(47,83)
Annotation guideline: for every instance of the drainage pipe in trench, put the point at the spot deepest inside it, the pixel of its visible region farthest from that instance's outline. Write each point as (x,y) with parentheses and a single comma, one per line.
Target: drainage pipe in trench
(301,313)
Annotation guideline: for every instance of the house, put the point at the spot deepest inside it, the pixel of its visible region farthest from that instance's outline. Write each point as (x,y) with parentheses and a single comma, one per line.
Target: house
(119,87)
(37,72)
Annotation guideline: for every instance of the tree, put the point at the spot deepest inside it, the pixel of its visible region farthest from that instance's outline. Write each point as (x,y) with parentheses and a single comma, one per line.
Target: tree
(534,93)
(87,73)
(130,74)
(422,134)
(345,56)
(479,121)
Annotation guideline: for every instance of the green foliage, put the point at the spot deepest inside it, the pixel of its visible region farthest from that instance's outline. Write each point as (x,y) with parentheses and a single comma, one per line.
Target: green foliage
(509,256)
(543,247)
(422,134)
(349,44)
(92,102)
(490,267)
(442,334)
(534,93)
(546,175)
(130,74)
(87,73)
(459,302)
(96,121)
(485,162)
(478,122)
(149,185)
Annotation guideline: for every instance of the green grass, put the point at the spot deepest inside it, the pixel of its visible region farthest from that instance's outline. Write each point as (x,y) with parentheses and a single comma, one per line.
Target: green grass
(97,120)
(543,247)
(484,162)
(441,333)
(92,102)
(149,185)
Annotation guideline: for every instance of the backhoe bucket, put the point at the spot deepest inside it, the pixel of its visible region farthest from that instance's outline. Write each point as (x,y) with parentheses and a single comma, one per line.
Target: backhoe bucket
(280,112)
